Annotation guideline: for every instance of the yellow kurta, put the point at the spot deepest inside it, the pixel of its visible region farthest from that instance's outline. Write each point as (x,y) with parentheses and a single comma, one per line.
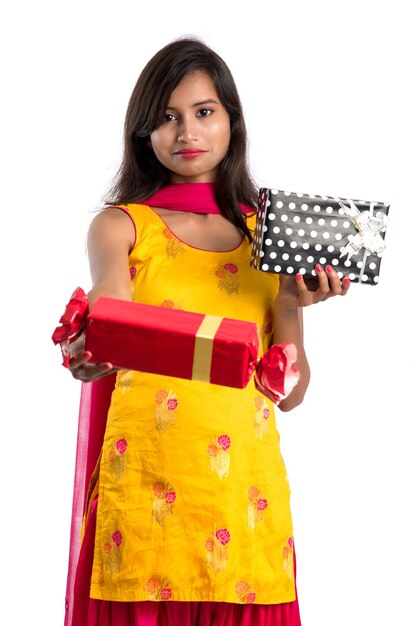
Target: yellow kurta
(193,491)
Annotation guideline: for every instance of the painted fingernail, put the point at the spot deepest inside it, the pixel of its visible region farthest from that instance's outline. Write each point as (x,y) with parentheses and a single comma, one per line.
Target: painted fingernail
(329,268)
(318,268)
(299,277)
(346,281)
(86,355)
(108,366)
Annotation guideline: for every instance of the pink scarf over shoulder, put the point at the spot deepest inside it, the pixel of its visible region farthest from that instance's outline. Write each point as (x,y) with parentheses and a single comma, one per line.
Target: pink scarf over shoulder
(190,197)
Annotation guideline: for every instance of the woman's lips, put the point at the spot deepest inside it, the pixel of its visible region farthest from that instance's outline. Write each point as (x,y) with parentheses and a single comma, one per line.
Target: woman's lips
(189,154)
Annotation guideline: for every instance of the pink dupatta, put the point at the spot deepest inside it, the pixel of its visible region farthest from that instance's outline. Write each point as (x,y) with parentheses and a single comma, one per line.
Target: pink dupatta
(94,405)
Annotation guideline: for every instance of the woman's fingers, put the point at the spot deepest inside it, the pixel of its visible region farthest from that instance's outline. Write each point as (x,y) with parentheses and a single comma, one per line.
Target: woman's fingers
(334,280)
(90,375)
(329,284)
(82,370)
(305,296)
(80,366)
(345,285)
(324,285)
(78,360)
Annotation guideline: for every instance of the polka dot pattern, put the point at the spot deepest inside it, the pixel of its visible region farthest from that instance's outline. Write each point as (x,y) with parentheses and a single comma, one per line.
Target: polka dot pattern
(295,231)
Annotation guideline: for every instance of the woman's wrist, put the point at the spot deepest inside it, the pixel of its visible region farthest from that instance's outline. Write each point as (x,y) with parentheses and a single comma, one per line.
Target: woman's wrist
(280,308)
(287,325)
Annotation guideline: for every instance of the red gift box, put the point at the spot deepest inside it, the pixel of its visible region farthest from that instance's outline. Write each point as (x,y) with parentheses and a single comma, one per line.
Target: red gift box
(156,340)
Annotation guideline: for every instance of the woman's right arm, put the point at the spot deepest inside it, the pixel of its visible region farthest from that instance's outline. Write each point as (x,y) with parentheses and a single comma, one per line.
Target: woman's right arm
(110,238)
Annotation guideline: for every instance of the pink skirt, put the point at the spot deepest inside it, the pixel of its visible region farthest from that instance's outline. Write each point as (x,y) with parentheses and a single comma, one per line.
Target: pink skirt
(89,612)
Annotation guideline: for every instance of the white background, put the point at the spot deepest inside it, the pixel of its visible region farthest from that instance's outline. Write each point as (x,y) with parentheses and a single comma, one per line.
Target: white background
(329,92)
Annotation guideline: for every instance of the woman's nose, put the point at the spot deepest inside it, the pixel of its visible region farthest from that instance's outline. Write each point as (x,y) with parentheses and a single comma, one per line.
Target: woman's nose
(187,130)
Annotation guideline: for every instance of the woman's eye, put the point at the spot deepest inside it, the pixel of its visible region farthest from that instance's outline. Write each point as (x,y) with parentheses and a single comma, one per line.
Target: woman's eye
(169,117)
(204,112)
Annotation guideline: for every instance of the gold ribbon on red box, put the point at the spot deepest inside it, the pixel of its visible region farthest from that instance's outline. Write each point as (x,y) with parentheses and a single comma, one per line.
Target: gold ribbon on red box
(203,348)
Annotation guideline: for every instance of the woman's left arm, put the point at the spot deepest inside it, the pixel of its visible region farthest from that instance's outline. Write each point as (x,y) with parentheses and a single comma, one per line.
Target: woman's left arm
(288,319)
(288,328)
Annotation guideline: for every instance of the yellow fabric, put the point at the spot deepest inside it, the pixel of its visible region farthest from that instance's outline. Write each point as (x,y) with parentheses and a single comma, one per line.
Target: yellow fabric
(193,491)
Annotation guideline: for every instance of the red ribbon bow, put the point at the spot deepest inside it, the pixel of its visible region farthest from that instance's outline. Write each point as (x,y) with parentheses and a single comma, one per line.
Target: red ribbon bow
(276,374)
(73,322)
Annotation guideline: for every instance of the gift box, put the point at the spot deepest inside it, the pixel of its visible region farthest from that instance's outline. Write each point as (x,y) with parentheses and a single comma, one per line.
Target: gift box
(295,231)
(171,342)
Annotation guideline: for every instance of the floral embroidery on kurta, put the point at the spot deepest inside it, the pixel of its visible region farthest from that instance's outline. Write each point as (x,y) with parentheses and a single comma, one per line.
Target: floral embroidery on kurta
(164,497)
(174,245)
(113,552)
(261,417)
(124,380)
(165,411)
(267,325)
(245,592)
(117,460)
(170,304)
(256,507)
(228,278)
(216,547)
(158,589)
(288,558)
(132,274)
(218,456)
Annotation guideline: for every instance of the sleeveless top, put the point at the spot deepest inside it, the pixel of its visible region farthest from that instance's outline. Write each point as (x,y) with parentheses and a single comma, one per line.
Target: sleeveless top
(193,494)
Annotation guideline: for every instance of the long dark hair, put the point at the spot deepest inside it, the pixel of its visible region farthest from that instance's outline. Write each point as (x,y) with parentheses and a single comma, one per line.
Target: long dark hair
(141,174)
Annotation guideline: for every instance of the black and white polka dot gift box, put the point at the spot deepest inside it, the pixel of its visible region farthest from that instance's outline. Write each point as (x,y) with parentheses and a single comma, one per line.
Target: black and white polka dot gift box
(295,231)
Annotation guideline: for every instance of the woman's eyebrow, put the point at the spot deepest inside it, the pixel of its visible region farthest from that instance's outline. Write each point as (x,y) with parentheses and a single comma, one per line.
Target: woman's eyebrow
(197,104)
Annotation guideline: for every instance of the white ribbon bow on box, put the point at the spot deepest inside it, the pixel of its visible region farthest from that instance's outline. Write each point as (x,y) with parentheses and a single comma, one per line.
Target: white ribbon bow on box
(368,236)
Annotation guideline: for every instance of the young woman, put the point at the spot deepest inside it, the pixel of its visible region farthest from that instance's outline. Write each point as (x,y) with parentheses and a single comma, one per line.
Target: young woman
(186,517)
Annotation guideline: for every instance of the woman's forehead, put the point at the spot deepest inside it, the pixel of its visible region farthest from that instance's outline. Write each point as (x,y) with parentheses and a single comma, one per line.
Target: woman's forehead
(196,87)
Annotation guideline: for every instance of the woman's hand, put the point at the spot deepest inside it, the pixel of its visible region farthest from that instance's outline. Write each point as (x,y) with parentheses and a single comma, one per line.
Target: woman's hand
(296,292)
(80,366)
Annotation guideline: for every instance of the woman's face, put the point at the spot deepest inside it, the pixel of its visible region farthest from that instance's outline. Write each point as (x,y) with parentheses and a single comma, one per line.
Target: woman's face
(194,137)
